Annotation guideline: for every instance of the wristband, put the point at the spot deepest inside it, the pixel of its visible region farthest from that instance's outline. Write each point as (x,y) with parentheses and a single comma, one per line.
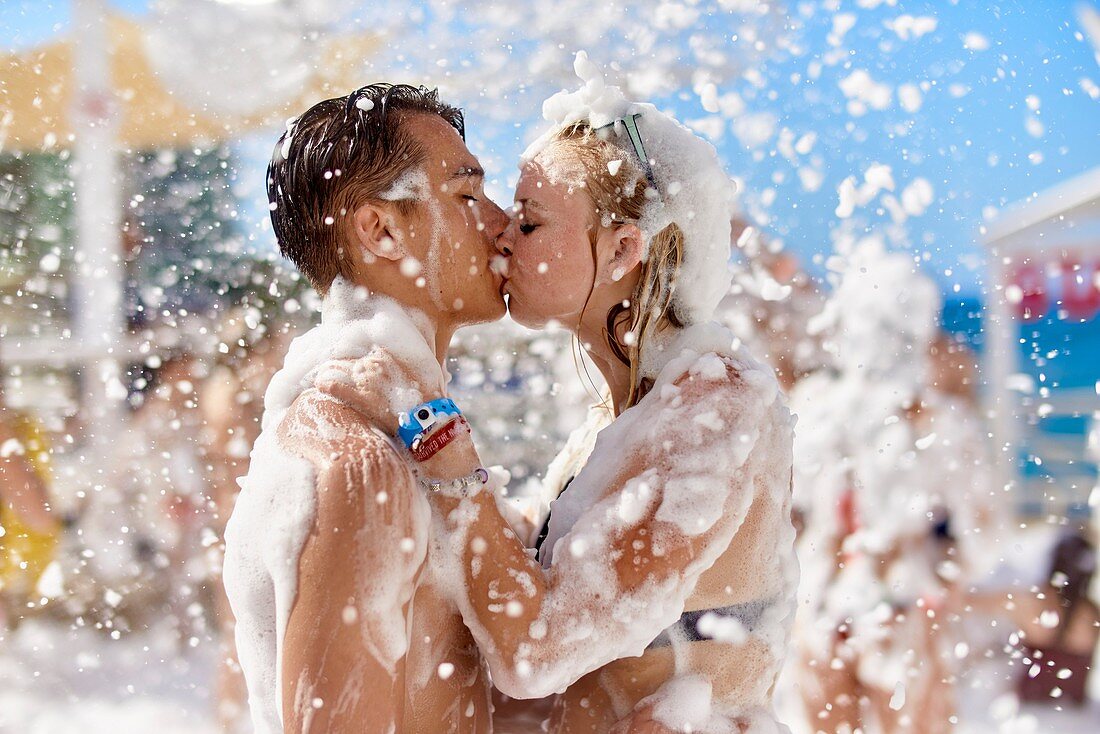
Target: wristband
(460,486)
(426,448)
(412,425)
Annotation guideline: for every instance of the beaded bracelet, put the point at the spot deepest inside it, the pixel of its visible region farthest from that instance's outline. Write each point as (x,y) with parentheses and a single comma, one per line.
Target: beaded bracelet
(460,486)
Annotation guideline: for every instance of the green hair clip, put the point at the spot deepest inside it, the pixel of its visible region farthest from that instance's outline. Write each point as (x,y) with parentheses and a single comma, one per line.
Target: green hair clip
(631,124)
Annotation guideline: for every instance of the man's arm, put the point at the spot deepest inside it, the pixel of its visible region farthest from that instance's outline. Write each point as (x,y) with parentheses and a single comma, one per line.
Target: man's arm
(343,654)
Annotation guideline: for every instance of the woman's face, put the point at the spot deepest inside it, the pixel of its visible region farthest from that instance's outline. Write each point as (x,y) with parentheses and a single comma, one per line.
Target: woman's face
(551,268)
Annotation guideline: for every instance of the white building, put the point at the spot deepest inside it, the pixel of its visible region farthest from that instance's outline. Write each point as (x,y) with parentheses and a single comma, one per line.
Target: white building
(1043,349)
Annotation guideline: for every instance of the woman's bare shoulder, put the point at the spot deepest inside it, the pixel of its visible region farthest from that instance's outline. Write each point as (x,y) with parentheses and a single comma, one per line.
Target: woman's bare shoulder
(722,382)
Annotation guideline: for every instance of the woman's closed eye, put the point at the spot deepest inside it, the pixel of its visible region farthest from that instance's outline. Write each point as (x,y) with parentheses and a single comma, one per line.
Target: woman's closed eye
(527,227)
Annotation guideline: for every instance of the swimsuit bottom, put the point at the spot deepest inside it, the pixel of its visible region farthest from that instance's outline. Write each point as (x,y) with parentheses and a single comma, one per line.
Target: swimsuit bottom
(686,629)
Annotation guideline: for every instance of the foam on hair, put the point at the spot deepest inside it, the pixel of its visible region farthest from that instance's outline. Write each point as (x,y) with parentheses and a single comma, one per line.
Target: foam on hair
(685,221)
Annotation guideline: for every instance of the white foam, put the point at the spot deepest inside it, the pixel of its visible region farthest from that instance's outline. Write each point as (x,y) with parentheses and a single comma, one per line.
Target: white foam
(864,92)
(412,185)
(860,437)
(912,27)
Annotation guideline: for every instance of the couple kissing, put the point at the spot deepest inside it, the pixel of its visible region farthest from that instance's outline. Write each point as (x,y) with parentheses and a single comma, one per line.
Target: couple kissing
(380,580)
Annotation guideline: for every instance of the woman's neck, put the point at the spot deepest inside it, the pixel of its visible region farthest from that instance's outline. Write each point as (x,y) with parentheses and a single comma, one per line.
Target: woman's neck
(615,373)
(592,333)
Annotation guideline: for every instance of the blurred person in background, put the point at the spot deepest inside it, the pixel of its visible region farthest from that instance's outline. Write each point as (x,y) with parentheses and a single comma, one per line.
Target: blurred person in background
(168,468)
(231,402)
(29,529)
(1060,624)
(961,542)
(897,496)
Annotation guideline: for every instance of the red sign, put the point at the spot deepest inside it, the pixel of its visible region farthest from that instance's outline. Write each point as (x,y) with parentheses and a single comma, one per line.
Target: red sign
(1071,286)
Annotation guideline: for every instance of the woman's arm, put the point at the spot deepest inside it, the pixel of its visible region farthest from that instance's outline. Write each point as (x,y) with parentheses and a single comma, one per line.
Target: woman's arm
(682,470)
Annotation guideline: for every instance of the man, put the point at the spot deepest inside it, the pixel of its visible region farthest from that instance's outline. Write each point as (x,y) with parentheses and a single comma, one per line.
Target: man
(348,631)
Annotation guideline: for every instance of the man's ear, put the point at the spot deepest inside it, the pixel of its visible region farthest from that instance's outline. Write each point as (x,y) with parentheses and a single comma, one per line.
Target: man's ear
(374,228)
(618,253)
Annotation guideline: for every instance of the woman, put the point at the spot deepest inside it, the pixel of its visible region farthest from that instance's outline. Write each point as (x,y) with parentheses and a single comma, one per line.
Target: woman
(667,575)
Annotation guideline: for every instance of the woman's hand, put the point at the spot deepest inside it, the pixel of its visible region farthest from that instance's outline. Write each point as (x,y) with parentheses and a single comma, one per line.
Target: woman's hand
(641,721)
(457,459)
(379,385)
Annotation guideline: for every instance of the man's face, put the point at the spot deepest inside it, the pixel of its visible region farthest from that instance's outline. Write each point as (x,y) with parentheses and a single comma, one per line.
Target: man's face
(452,232)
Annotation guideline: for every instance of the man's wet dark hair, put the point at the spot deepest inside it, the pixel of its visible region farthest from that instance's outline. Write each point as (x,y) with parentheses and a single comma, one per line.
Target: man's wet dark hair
(335,157)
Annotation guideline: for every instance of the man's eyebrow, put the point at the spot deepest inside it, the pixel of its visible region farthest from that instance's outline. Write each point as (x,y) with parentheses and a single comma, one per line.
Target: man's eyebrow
(468,172)
(529,204)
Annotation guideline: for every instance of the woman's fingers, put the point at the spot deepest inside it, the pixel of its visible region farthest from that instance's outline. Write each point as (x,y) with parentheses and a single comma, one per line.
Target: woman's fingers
(370,384)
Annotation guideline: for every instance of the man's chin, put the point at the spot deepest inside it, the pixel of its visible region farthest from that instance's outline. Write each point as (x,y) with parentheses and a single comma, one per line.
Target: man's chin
(499,310)
(493,310)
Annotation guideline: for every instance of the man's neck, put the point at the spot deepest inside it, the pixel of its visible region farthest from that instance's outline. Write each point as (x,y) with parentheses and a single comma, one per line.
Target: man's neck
(443,335)
(436,328)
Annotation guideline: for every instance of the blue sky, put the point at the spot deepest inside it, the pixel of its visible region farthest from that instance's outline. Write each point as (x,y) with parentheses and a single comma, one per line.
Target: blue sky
(974,149)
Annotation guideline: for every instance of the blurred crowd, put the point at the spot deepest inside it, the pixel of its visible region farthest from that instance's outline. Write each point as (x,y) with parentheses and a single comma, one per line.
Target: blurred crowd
(908,542)
(903,530)
(190,420)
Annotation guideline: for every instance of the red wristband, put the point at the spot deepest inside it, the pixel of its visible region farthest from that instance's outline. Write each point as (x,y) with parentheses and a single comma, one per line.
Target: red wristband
(429,447)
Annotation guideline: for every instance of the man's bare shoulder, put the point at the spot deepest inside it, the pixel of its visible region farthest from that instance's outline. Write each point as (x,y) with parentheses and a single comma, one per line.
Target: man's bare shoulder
(360,477)
(361,563)
(323,429)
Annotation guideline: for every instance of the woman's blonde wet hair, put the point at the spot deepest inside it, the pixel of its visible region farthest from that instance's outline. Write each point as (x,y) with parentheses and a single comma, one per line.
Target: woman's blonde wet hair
(619,198)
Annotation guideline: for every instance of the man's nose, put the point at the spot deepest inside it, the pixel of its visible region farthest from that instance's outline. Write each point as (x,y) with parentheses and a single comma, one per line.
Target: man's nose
(496,221)
(505,241)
